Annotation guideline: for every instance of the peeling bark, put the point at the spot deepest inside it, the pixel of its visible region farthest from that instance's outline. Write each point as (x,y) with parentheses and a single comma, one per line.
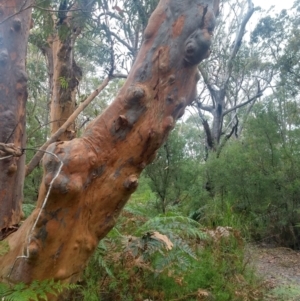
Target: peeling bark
(13,95)
(100,170)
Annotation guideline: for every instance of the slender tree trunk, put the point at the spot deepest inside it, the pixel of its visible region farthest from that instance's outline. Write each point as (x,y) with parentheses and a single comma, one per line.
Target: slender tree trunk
(66,74)
(213,133)
(217,112)
(14,30)
(66,77)
(90,179)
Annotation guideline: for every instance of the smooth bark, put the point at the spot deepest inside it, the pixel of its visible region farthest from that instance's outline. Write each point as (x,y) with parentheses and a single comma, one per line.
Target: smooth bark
(64,73)
(14,31)
(39,155)
(218,92)
(100,170)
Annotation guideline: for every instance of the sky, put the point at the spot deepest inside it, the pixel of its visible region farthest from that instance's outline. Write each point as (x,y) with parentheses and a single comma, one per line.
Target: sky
(279,4)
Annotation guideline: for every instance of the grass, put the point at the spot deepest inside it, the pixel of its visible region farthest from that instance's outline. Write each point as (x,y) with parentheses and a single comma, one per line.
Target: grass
(285,293)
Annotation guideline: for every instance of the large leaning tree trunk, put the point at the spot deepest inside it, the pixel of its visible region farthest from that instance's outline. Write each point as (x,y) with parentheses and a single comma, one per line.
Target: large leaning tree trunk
(89,180)
(14,31)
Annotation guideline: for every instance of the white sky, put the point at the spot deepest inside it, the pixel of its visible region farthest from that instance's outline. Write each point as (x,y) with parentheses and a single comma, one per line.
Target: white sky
(279,4)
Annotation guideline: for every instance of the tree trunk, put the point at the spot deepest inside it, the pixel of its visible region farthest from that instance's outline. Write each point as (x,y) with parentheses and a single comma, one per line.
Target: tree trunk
(218,86)
(65,72)
(66,76)
(14,30)
(100,170)
(217,112)
(213,133)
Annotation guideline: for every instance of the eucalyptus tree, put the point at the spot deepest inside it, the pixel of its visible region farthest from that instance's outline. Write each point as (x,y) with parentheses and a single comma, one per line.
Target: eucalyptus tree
(278,36)
(14,31)
(105,34)
(257,175)
(58,24)
(234,76)
(88,180)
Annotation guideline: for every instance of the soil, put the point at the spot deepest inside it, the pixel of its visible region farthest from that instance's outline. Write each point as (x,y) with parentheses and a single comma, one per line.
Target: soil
(280,270)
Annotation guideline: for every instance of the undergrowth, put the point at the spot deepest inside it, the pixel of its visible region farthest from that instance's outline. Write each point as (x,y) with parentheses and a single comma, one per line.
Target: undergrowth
(168,257)
(283,293)
(35,291)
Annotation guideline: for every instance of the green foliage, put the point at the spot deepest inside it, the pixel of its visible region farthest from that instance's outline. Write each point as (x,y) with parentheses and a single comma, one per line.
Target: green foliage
(174,175)
(219,270)
(64,32)
(27,209)
(36,291)
(253,185)
(172,224)
(279,36)
(167,257)
(4,248)
(63,82)
(288,292)
(257,177)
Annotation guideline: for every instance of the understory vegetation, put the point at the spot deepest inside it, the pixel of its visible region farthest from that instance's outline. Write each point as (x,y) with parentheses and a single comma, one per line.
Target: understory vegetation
(184,233)
(168,257)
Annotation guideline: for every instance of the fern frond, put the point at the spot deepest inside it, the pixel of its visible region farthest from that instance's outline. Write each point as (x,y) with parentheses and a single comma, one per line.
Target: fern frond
(173,223)
(35,291)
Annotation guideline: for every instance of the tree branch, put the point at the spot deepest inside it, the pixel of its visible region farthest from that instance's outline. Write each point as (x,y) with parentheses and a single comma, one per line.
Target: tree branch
(38,156)
(259,94)
(108,13)
(119,75)
(238,40)
(205,77)
(41,8)
(226,138)
(203,107)
(131,49)
(209,138)
(207,83)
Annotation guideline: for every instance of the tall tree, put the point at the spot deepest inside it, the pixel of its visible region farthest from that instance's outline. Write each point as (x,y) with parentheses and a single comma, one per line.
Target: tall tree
(14,31)
(233,78)
(88,180)
(64,26)
(278,37)
(74,35)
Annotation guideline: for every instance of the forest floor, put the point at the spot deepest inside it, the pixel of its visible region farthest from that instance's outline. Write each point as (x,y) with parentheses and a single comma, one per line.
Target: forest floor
(280,270)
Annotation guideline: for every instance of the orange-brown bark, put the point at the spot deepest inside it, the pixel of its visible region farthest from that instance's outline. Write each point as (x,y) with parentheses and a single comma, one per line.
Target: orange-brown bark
(65,74)
(14,30)
(100,170)
(39,155)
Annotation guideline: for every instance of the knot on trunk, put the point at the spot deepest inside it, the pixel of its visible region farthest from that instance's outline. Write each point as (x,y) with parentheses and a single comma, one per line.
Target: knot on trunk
(131,183)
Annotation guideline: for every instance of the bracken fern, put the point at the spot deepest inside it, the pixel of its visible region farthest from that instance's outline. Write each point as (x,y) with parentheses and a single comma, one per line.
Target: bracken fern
(35,291)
